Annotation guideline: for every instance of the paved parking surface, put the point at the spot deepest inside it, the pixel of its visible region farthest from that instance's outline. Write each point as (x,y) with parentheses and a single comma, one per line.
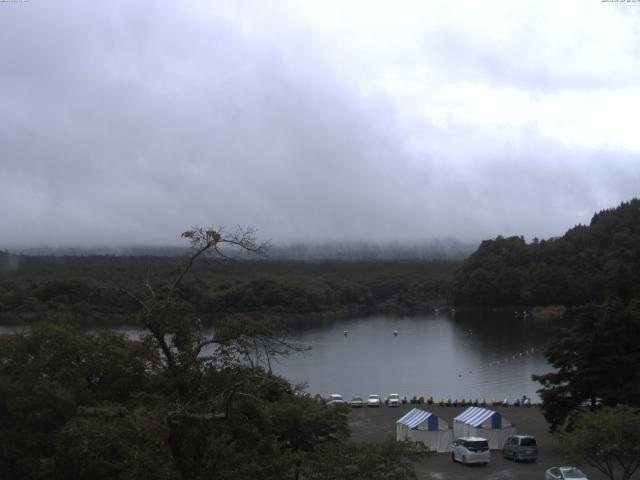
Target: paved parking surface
(374,424)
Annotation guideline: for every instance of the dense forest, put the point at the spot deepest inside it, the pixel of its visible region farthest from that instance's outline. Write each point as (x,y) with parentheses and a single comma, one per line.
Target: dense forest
(176,404)
(586,265)
(90,287)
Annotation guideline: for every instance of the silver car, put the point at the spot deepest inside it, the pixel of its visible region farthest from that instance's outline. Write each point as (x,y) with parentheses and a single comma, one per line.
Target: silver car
(471,450)
(564,473)
(520,447)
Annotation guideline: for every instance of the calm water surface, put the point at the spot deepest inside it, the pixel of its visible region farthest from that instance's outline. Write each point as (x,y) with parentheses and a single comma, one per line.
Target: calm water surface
(467,356)
(491,355)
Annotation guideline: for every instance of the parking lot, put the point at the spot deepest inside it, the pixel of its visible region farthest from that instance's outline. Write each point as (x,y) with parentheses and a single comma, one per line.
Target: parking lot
(374,424)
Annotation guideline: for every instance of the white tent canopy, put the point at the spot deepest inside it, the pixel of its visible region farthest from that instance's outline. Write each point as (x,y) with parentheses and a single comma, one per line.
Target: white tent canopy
(422,426)
(482,422)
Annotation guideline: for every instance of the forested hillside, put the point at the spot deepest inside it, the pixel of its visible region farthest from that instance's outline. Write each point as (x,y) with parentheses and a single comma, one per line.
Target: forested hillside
(584,266)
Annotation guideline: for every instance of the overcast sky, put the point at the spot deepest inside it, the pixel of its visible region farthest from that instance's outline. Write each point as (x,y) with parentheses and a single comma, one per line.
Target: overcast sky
(127,122)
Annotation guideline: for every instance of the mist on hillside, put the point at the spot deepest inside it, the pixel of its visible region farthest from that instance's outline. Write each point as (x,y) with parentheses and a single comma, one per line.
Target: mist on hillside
(436,250)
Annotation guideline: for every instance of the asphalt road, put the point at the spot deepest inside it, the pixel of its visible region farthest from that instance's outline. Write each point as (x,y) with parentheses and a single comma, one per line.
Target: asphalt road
(374,424)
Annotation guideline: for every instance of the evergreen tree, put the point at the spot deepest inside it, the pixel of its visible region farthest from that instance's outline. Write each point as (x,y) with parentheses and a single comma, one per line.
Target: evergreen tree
(596,363)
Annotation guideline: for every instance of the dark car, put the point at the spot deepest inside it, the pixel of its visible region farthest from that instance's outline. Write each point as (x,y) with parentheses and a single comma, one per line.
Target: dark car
(520,448)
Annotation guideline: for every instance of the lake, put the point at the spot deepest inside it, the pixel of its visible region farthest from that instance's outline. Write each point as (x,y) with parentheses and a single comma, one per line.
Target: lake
(472,355)
(469,355)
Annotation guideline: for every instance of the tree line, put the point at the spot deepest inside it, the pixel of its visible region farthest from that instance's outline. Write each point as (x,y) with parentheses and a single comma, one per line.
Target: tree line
(586,265)
(31,287)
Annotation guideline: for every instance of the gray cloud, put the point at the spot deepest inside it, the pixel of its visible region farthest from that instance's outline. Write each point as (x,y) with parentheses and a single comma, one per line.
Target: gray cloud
(125,123)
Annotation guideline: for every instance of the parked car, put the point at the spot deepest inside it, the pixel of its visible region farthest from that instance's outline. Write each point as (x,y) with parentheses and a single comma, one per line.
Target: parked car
(335,398)
(471,450)
(374,400)
(520,447)
(357,402)
(564,473)
(394,400)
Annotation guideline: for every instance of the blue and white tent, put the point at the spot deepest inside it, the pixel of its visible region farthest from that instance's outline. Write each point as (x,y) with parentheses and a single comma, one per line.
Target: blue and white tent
(482,422)
(426,427)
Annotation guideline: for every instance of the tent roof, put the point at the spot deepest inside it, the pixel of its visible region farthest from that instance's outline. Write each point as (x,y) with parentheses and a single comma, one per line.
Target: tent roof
(474,416)
(414,418)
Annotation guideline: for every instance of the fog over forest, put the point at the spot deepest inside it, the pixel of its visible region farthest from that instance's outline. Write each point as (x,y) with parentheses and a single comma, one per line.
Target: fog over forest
(124,123)
(432,250)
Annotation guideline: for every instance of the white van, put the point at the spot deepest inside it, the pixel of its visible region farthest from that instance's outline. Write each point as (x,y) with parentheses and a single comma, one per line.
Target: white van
(394,400)
(471,450)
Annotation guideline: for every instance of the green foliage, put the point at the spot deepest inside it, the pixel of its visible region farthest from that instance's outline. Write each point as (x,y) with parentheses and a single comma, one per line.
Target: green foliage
(46,375)
(77,405)
(607,439)
(176,404)
(88,288)
(390,460)
(584,266)
(596,362)
(109,441)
